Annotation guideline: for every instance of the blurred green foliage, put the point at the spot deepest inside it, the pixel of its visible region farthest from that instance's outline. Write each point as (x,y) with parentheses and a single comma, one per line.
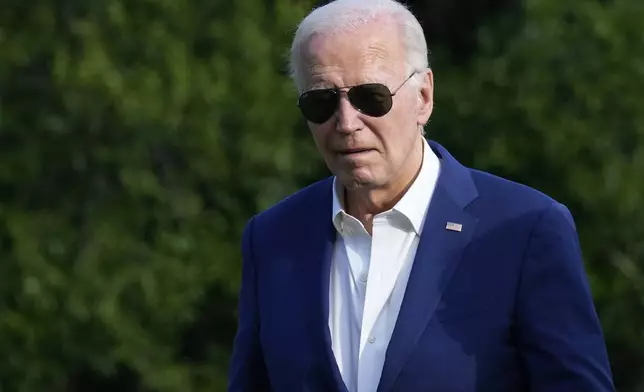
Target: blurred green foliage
(138,137)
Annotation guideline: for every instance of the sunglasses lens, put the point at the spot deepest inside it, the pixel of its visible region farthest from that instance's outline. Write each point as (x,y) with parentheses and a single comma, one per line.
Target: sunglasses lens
(318,106)
(371,99)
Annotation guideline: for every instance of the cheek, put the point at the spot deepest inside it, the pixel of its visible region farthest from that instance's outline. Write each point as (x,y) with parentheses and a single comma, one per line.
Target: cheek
(397,137)
(320,133)
(392,131)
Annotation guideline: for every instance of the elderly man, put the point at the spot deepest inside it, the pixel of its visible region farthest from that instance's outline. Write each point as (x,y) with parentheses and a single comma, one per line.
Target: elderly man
(405,271)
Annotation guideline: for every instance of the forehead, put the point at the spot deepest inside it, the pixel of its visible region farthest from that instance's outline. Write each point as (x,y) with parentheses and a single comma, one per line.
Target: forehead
(366,54)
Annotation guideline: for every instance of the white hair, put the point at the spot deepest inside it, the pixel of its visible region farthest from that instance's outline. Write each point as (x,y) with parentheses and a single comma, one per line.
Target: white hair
(342,15)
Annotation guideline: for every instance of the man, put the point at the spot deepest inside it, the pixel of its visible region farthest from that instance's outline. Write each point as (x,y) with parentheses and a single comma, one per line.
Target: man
(405,271)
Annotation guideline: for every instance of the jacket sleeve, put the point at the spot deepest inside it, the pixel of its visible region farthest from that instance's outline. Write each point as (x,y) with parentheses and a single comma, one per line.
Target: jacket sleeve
(247,372)
(560,337)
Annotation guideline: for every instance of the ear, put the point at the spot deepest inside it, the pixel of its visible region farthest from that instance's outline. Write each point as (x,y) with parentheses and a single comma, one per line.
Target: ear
(426,97)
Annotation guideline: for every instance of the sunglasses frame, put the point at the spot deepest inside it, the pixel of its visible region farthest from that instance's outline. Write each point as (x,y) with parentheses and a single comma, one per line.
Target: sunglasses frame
(337,90)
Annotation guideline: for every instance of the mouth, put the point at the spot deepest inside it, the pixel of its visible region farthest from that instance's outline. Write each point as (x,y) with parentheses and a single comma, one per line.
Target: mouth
(354,151)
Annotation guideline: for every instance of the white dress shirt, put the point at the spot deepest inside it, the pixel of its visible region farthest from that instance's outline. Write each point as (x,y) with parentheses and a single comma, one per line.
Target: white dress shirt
(369,275)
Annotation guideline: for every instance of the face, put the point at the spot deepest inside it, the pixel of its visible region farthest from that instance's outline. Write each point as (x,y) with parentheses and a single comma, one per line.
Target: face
(364,151)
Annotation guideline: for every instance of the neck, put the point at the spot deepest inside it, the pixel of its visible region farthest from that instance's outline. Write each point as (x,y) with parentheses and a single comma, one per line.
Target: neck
(364,204)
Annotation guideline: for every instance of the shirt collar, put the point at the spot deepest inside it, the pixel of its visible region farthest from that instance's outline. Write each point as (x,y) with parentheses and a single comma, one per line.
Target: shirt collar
(338,212)
(413,205)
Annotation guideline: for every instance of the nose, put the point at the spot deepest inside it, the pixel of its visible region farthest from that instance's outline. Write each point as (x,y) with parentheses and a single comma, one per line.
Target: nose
(347,117)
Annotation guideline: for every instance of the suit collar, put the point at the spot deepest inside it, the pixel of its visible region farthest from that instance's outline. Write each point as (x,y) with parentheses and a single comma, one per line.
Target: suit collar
(455,178)
(316,250)
(439,254)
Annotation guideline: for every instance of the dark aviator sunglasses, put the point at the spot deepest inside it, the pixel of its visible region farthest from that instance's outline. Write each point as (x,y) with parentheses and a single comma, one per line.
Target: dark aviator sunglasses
(372,99)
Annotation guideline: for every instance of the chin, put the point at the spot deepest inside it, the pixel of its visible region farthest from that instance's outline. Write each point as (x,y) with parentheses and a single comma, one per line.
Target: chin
(358,179)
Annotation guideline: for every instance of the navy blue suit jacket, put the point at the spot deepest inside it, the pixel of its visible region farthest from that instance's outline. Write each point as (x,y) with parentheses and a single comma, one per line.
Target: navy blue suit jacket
(503,305)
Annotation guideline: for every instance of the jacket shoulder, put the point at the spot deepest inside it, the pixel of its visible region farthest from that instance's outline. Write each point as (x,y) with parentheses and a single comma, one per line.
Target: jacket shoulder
(517,207)
(507,198)
(502,190)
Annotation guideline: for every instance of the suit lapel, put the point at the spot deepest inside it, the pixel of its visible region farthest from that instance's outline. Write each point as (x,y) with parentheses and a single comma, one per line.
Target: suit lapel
(317,252)
(324,293)
(438,255)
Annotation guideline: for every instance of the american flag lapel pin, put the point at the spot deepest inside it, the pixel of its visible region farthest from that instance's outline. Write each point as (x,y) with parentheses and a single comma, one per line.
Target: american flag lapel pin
(454,226)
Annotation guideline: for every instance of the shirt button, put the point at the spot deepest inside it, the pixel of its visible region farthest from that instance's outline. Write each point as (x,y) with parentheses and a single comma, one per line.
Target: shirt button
(363,278)
(372,339)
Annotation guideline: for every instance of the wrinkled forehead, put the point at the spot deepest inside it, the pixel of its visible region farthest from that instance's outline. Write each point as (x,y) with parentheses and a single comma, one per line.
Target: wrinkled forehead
(349,58)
